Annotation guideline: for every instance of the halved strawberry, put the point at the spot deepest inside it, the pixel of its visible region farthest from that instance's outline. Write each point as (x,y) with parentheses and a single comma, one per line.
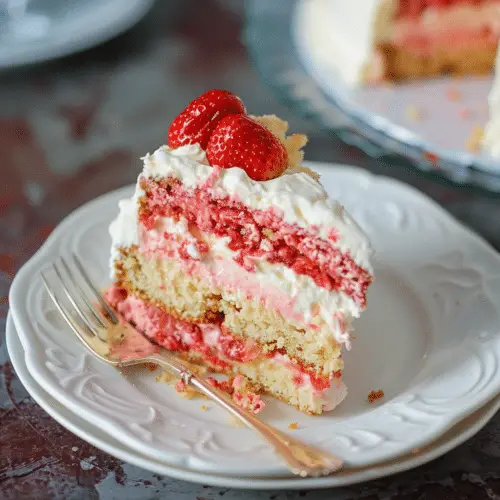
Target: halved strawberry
(198,120)
(239,141)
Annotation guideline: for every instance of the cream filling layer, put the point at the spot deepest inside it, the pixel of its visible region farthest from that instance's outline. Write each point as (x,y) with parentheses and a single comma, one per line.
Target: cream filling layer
(296,297)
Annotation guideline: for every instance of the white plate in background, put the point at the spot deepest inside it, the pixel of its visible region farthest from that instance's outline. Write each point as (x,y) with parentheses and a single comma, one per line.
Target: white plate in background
(54,28)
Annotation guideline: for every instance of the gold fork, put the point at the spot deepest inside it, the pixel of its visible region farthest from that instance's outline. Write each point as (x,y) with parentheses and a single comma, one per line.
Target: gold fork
(93,328)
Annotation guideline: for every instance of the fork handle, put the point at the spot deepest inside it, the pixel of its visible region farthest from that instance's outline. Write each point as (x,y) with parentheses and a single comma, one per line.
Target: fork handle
(303,460)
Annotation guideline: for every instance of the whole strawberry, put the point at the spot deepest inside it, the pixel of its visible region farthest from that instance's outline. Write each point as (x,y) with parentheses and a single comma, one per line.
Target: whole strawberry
(196,123)
(239,141)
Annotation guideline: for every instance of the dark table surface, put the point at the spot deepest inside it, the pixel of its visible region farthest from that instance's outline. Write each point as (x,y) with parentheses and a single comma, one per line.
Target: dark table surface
(75,128)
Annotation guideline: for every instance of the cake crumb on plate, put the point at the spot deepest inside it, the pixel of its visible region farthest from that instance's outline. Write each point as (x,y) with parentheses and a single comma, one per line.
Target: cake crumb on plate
(473,143)
(375,395)
(185,390)
(293,426)
(235,421)
(413,113)
(165,377)
(453,94)
(464,113)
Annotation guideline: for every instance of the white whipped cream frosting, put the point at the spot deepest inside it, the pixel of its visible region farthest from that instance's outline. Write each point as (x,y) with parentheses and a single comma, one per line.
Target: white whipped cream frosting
(302,200)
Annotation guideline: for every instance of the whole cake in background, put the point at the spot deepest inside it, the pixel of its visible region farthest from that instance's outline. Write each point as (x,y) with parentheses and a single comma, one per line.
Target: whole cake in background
(369,42)
(393,40)
(231,253)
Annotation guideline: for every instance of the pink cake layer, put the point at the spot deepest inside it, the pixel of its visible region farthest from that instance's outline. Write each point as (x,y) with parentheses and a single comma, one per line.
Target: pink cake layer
(257,234)
(218,348)
(414,8)
(135,345)
(425,26)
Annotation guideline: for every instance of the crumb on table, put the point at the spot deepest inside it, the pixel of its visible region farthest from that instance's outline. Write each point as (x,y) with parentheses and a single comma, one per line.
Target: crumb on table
(204,407)
(293,426)
(375,395)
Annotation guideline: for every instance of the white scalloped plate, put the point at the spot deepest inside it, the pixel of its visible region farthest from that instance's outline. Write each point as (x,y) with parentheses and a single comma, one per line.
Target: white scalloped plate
(458,434)
(429,338)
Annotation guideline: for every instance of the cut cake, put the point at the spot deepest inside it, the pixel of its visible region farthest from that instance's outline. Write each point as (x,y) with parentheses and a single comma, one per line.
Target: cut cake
(370,42)
(375,40)
(250,271)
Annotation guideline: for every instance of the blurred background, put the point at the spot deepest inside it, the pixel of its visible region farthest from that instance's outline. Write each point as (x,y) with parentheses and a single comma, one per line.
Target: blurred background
(74,127)
(87,88)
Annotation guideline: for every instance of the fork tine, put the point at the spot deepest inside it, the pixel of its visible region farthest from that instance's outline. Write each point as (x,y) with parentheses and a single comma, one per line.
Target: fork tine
(98,295)
(67,317)
(100,320)
(77,308)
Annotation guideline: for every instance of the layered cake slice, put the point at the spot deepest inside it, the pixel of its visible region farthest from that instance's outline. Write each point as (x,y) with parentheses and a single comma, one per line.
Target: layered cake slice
(377,40)
(232,254)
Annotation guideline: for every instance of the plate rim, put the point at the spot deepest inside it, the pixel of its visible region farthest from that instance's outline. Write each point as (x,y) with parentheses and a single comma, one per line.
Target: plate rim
(406,463)
(22,323)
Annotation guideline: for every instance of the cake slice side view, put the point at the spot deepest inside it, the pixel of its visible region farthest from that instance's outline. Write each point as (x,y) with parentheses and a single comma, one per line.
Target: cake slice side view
(392,40)
(232,254)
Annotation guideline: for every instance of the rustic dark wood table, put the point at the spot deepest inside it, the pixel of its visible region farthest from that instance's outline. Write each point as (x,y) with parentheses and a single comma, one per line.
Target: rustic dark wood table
(73,129)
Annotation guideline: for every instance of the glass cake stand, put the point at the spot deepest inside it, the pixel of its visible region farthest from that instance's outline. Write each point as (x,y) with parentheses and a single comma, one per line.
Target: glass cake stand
(383,122)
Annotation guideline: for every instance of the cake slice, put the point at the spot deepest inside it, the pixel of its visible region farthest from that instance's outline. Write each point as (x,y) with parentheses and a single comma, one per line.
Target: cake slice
(402,39)
(232,254)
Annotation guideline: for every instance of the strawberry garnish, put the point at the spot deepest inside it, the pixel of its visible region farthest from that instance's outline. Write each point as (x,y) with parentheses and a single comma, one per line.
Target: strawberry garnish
(198,120)
(239,141)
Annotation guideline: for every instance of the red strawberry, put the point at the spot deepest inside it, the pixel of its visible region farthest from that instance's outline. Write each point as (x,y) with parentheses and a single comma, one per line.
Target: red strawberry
(198,120)
(239,141)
